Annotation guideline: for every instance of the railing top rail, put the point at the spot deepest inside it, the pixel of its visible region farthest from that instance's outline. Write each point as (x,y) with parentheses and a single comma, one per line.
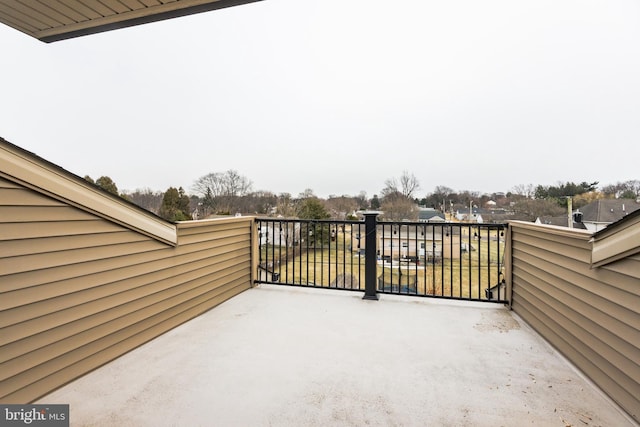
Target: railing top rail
(384,222)
(325,221)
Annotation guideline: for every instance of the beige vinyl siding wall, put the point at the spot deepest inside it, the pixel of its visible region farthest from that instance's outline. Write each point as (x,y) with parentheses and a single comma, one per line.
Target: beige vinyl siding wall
(77,290)
(591,315)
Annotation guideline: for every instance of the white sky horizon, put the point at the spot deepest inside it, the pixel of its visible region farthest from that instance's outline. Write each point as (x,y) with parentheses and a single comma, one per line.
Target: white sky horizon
(339,96)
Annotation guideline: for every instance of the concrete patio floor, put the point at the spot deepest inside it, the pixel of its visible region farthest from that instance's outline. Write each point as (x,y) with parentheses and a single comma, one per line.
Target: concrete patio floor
(281,356)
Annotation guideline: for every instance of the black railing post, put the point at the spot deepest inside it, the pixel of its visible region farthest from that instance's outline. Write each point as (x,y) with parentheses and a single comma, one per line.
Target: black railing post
(370,257)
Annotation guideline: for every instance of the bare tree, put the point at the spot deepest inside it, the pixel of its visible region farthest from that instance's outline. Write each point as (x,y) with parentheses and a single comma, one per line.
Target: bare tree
(396,207)
(286,206)
(530,209)
(623,190)
(340,207)
(406,185)
(526,190)
(221,190)
(361,199)
(306,194)
(147,199)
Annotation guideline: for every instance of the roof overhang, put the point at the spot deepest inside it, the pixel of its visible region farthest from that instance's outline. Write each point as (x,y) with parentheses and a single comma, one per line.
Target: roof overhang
(54,20)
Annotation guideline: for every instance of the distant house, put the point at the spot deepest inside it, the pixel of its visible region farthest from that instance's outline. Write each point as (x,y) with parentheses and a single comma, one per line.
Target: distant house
(560,221)
(430,215)
(465,217)
(279,233)
(419,243)
(597,215)
(414,243)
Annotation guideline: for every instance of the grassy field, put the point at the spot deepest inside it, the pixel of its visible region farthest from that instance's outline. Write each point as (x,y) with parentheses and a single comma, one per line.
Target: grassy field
(336,266)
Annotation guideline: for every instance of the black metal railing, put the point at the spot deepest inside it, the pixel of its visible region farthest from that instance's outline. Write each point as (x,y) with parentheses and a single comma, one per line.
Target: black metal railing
(311,253)
(441,260)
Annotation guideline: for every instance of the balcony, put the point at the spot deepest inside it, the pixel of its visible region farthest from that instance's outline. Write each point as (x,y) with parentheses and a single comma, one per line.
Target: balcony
(133,320)
(277,355)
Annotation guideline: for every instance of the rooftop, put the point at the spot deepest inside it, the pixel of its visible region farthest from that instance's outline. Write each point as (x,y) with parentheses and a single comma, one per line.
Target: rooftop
(278,355)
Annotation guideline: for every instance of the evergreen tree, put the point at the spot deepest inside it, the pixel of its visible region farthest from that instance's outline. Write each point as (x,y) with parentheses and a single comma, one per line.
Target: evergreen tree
(316,233)
(375,202)
(107,184)
(175,205)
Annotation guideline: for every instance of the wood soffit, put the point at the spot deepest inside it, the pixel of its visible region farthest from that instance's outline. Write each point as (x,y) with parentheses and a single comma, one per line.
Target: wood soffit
(54,20)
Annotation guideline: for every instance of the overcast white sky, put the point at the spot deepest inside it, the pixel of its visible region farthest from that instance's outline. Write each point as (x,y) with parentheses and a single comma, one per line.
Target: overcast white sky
(339,95)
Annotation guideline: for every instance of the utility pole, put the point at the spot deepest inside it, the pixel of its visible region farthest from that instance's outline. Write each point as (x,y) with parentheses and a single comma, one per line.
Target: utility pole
(570,211)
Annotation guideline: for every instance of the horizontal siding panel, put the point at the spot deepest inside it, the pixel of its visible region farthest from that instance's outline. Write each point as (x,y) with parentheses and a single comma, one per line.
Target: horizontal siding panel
(212,236)
(573,280)
(65,243)
(125,277)
(591,315)
(189,235)
(113,346)
(618,337)
(71,257)
(17,322)
(86,331)
(607,360)
(106,271)
(538,279)
(82,283)
(18,196)
(628,267)
(30,277)
(16,214)
(217,239)
(580,253)
(627,398)
(86,320)
(5,183)
(39,229)
(572,270)
(542,258)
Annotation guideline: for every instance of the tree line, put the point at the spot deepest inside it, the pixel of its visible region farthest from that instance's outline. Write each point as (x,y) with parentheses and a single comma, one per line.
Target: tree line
(228,193)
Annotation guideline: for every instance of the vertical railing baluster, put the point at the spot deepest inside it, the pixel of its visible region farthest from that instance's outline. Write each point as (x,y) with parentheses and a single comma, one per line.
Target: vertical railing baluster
(488,280)
(499,233)
(265,242)
(301,239)
(460,258)
(441,258)
(479,232)
(449,234)
(322,256)
(470,260)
